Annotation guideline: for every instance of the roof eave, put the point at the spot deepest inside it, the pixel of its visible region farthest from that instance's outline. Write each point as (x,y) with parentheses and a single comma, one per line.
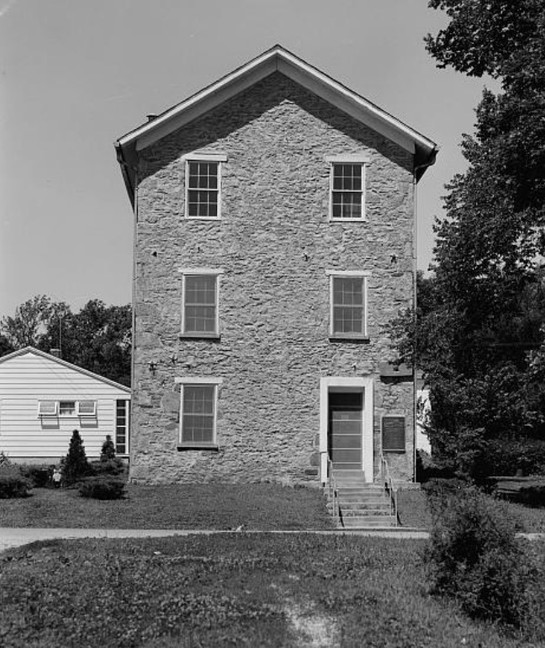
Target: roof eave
(274,59)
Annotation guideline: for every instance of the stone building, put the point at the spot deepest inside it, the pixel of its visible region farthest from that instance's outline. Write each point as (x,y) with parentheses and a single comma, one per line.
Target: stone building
(274,242)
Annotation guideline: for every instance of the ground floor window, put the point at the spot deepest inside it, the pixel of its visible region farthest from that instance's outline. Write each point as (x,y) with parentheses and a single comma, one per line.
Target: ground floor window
(198,412)
(122,419)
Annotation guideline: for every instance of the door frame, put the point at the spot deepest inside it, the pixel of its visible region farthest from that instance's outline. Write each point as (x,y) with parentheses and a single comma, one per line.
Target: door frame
(337,383)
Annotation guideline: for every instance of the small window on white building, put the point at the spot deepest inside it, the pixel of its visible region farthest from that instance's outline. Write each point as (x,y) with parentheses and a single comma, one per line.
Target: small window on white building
(67,408)
(122,421)
(47,408)
(87,408)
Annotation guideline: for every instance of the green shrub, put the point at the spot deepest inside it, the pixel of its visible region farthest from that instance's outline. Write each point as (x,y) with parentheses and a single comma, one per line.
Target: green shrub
(13,484)
(75,466)
(475,557)
(427,468)
(531,494)
(506,457)
(102,488)
(38,475)
(108,449)
(5,461)
(108,467)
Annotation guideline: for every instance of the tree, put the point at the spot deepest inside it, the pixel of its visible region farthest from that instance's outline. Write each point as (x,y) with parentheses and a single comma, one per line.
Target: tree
(488,284)
(75,465)
(108,449)
(28,324)
(97,338)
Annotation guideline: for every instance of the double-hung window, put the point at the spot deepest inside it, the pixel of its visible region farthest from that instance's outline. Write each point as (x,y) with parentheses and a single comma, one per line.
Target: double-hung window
(348,304)
(198,412)
(203,185)
(200,301)
(67,408)
(70,408)
(347,188)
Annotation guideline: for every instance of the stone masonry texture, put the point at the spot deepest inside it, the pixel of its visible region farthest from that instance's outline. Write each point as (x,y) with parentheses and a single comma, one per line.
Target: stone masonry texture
(274,244)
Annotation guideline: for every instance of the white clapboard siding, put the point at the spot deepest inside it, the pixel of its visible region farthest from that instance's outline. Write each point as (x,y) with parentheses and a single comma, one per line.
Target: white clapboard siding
(29,376)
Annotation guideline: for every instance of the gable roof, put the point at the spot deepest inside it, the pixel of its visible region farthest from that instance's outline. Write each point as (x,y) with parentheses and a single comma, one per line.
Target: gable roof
(64,363)
(275,59)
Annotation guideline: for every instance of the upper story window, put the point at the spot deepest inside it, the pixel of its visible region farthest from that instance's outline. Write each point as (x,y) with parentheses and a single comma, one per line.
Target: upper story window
(348,305)
(203,185)
(200,302)
(347,188)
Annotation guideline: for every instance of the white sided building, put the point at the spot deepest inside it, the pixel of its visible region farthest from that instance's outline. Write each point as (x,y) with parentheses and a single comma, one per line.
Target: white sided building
(43,399)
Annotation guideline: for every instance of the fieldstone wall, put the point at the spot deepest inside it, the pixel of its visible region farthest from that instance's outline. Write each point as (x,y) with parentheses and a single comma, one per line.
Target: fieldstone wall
(274,244)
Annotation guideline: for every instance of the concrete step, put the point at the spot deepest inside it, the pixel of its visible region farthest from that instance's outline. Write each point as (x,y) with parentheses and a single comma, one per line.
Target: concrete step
(366,521)
(360,488)
(365,506)
(351,482)
(361,512)
(363,494)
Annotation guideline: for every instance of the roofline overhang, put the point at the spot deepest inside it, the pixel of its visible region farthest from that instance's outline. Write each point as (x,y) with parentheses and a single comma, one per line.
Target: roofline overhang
(275,59)
(65,363)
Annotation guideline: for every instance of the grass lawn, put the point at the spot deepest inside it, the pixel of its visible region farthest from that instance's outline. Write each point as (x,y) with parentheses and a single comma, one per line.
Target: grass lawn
(195,506)
(414,512)
(229,590)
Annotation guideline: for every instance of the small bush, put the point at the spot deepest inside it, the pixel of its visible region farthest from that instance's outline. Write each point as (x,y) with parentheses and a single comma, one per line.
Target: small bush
(38,475)
(76,466)
(13,484)
(102,488)
(531,495)
(475,557)
(109,467)
(108,450)
(427,468)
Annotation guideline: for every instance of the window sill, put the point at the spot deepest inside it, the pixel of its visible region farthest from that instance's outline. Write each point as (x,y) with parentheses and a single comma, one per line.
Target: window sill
(345,337)
(199,336)
(198,446)
(360,219)
(392,450)
(205,218)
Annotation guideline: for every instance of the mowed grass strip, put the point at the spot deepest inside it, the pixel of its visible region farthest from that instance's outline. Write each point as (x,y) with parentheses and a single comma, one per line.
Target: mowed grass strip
(414,512)
(190,506)
(229,590)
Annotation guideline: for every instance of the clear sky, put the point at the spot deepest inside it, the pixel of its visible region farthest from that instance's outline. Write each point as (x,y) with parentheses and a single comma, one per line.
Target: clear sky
(78,74)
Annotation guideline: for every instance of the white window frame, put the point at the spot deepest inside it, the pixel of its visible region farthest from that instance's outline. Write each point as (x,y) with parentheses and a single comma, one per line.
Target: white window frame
(193,381)
(55,408)
(71,415)
(352,159)
(126,427)
(195,272)
(205,158)
(346,274)
(87,400)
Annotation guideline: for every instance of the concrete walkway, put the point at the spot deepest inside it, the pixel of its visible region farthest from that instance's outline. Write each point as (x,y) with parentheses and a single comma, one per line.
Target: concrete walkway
(16,537)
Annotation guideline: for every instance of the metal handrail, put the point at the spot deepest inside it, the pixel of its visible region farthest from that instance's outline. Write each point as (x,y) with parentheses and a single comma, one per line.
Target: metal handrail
(389,485)
(333,493)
